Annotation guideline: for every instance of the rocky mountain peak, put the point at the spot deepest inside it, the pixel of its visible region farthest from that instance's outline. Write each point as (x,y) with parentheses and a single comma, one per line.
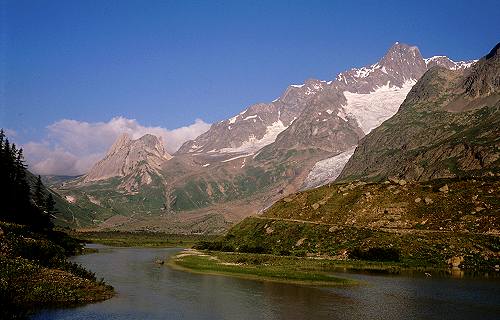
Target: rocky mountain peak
(400,65)
(404,61)
(130,157)
(400,53)
(122,140)
(483,80)
(494,53)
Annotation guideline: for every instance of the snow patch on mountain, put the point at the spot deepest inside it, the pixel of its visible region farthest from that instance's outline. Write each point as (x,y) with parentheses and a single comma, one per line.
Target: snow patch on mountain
(464,64)
(237,157)
(366,71)
(448,63)
(253,144)
(250,117)
(233,119)
(373,108)
(326,171)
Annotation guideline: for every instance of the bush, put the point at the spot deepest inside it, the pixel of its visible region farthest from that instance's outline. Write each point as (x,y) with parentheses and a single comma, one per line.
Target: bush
(284,252)
(14,286)
(71,246)
(376,254)
(299,253)
(76,270)
(253,249)
(39,250)
(213,246)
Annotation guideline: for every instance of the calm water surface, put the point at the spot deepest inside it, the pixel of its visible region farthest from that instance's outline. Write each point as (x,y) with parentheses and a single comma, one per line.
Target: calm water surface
(148,291)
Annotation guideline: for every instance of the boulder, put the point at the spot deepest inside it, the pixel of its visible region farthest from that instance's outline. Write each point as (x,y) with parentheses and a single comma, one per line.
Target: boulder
(444,188)
(394,180)
(455,262)
(332,229)
(300,242)
(159,261)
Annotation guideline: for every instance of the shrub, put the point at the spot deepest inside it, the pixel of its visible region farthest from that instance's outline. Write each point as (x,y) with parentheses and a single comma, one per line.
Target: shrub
(299,253)
(253,249)
(213,246)
(376,254)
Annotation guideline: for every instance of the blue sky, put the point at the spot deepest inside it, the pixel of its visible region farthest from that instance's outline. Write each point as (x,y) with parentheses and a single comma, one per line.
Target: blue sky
(167,63)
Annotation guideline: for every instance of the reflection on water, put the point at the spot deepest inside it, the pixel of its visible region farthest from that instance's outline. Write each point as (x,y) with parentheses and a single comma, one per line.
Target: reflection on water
(148,291)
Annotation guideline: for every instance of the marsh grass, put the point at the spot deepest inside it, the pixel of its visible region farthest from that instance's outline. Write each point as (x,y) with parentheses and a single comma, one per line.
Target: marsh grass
(258,266)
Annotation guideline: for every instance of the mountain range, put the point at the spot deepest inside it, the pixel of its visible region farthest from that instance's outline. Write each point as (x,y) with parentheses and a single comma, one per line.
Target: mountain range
(244,164)
(424,185)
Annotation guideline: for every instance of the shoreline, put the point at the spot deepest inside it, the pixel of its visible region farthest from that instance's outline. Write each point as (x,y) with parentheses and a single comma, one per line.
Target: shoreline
(300,270)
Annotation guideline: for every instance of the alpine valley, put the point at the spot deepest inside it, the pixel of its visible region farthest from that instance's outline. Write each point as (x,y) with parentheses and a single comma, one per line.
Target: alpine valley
(443,123)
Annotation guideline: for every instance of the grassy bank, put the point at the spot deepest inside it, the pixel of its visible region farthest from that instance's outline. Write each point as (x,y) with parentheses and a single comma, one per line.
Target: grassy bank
(419,225)
(257,266)
(142,239)
(34,272)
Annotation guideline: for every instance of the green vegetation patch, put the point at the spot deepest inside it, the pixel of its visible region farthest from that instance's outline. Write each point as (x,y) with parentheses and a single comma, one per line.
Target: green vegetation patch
(34,272)
(257,266)
(142,239)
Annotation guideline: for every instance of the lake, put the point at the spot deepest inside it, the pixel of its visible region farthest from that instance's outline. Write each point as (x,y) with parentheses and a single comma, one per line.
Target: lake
(149,291)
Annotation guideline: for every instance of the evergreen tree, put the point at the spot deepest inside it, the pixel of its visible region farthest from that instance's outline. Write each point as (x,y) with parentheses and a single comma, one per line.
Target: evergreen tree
(38,194)
(16,203)
(50,211)
(50,204)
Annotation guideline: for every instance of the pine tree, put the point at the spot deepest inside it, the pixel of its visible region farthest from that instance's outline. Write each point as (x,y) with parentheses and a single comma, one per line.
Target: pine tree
(16,203)
(38,194)
(50,204)
(50,211)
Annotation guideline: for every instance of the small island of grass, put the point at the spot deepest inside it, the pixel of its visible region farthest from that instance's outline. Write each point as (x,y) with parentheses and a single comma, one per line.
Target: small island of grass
(256,267)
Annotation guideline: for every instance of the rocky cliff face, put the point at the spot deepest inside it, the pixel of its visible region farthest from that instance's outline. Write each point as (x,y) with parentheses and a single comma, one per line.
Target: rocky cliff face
(448,126)
(256,126)
(136,160)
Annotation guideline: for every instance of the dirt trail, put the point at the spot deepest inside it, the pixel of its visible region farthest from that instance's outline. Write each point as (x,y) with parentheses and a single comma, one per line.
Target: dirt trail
(393,230)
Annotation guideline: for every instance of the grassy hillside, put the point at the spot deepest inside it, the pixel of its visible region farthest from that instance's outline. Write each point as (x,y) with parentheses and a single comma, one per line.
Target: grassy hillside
(422,224)
(185,189)
(68,214)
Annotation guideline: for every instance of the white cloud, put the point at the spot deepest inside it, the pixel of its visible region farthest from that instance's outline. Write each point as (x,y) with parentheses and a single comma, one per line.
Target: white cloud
(71,147)
(10,133)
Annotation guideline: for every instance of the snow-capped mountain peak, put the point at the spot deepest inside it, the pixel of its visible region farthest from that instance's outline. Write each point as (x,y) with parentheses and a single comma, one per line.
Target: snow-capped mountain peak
(444,61)
(365,96)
